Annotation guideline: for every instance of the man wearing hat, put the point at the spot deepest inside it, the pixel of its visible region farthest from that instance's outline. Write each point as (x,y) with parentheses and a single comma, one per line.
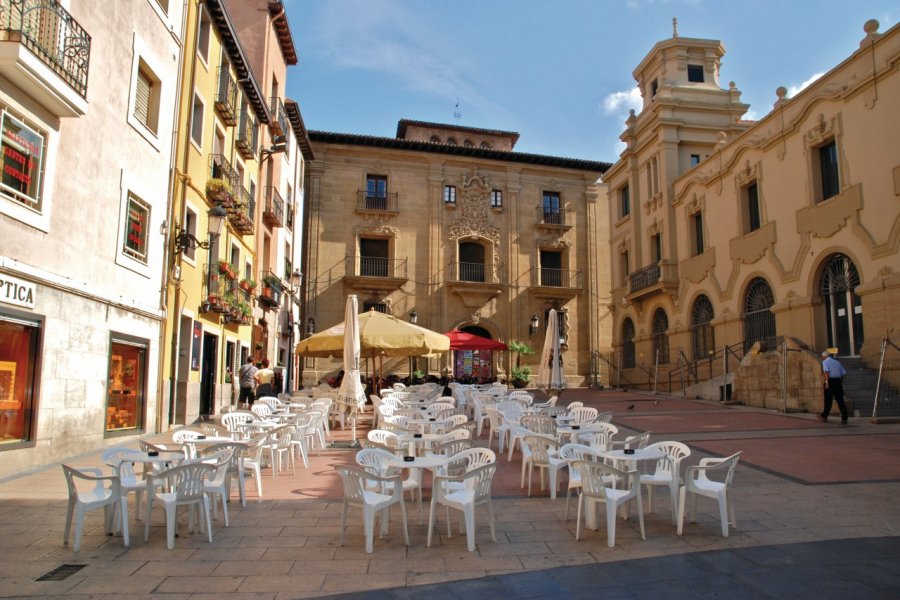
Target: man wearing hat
(833,373)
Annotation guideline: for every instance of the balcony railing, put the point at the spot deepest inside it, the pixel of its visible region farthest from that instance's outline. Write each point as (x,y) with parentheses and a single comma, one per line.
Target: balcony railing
(376,266)
(242,211)
(270,292)
(227,97)
(247,138)
(367,203)
(474,272)
(280,125)
(662,275)
(644,278)
(564,217)
(273,215)
(545,277)
(220,168)
(51,34)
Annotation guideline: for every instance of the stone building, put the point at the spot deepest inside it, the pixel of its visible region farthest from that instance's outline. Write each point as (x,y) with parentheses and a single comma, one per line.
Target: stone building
(734,234)
(450,226)
(87,100)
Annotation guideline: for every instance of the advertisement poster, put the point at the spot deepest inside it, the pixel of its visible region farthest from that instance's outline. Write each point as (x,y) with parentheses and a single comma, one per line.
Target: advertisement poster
(22,153)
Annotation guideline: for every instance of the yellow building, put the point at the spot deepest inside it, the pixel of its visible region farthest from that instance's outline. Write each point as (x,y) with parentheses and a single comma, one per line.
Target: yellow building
(738,234)
(213,216)
(449,226)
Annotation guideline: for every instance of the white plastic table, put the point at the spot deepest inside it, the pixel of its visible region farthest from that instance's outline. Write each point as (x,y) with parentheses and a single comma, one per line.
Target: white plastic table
(412,440)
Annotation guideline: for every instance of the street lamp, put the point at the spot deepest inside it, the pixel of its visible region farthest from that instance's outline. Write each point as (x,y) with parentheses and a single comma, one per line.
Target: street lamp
(310,326)
(533,327)
(414,317)
(184,240)
(295,283)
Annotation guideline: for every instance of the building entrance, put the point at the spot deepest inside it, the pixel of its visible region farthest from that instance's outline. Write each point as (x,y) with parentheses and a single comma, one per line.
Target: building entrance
(843,308)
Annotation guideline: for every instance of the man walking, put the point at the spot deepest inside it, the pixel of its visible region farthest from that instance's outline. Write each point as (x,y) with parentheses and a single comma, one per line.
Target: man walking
(247,374)
(833,373)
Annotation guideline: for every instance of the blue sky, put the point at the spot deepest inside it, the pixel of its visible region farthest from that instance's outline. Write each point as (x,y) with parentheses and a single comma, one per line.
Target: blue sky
(559,72)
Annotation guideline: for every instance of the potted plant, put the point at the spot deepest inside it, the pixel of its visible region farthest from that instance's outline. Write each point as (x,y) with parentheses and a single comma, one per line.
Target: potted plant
(248,285)
(270,280)
(219,190)
(520,374)
(225,269)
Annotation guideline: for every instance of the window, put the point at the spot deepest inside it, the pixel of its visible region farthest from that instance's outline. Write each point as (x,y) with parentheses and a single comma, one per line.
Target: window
(125,392)
(376,192)
(289,206)
(373,257)
(552,213)
(452,141)
(468,144)
(751,201)
(20,340)
(703,340)
(625,267)
(628,361)
(376,306)
(142,93)
(654,87)
(450,194)
(551,269)
(759,321)
(655,249)
(695,160)
(435,139)
(695,73)
(486,146)
(828,170)
(235,258)
(496,198)
(22,161)
(136,224)
(197,121)
(471,262)
(190,226)
(203,35)
(624,201)
(697,230)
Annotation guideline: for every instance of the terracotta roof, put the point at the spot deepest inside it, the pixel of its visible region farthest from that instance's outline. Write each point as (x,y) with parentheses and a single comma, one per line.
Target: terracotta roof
(400,144)
(299,127)
(404,123)
(238,58)
(283,31)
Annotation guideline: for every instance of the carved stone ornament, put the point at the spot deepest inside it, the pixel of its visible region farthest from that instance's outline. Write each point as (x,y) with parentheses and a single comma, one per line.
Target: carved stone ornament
(653,229)
(624,245)
(474,203)
(695,204)
(553,243)
(820,132)
(746,175)
(376,225)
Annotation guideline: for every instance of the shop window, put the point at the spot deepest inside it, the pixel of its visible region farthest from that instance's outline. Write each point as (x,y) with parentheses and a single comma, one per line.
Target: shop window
(136,233)
(19,355)
(125,397)
(22,161)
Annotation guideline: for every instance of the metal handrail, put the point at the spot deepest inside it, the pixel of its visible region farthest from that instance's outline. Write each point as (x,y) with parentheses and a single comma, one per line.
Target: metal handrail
(52,34)
(644,278)
(563,217)
(693,366)
(546,277)
(376,266)
(386,203)
(274,203)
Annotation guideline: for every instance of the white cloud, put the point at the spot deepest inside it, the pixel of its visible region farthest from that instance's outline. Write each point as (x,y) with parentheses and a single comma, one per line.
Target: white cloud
(750,115)
(618,103)
(395,42)
(796,89)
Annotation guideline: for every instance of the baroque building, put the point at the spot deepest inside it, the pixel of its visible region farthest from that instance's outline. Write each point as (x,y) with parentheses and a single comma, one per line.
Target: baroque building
(451,227)
(727,234)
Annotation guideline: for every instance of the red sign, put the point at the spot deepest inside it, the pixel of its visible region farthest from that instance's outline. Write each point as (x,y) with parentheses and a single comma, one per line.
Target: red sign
(22,152)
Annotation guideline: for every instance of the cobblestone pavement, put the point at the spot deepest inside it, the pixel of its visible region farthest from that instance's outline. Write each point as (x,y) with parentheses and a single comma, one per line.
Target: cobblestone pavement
(816,516)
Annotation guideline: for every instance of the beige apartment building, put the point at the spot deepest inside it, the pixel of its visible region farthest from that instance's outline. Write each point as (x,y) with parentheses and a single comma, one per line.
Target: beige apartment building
(450,227)
(737,234)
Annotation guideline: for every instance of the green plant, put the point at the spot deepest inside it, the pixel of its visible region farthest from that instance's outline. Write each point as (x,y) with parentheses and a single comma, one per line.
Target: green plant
(272,281)
(244,308)
(521,373)
(521,349)
(418,376)
(218,186)
(248,284)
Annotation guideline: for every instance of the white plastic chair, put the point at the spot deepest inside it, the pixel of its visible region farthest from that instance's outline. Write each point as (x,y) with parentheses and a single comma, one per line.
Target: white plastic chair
(235,467)
(545,455)
(252,460)
(120,460)
(218,484)
(186,488)
(371,502)
(698,483)
(573,405)
(599,440)
(280,447)
(571,453)
(475,491)
(583,415)
(666,473)
(376,459)
(102,491)
(635,442)
(262,410)
(596,488)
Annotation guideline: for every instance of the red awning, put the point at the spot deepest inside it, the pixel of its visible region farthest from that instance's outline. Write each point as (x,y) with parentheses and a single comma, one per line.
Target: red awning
(460,340)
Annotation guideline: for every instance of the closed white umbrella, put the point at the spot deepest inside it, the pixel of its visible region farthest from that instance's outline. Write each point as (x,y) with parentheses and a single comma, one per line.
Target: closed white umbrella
(352,395)
(550,374)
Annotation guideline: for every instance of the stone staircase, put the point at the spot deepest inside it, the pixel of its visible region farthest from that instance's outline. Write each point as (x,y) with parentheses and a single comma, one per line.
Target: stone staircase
(859,388)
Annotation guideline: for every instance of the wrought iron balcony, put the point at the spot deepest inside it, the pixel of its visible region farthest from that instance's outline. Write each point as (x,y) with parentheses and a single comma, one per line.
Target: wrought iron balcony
(242,211)
(280,124)
(555,219)
(379,204)
(270,293)
(47,31)
(247,135)
(474,272)
(376,266)
(545,277)
(227,97)
(661,276)
(273,215)
(220,168)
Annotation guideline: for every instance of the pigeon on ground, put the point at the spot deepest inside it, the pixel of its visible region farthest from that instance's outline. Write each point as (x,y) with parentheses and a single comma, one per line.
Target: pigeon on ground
(655,402)
(631,407)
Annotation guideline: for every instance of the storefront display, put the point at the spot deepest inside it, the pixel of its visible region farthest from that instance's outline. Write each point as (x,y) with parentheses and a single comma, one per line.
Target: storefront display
(125,396)
(18,356)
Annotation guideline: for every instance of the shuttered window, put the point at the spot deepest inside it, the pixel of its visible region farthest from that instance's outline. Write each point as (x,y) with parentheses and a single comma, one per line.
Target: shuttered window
(142,95)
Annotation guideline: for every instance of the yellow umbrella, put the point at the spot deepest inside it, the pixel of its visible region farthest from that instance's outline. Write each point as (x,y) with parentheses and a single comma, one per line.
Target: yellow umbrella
(379,335)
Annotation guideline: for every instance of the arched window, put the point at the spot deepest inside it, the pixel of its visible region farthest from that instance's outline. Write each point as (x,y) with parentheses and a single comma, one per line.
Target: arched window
(452,141)
(471,262)
(703,340)
(628,344)
(843,308)
(759,322)
(435,139)
(660,338)
(468,144)
(486,145)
